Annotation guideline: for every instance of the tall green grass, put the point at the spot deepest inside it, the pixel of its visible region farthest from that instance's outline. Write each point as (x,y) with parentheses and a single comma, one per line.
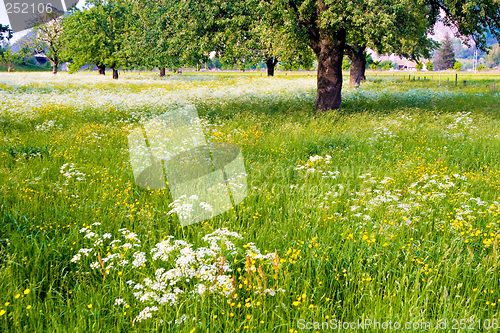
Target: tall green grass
(385,210)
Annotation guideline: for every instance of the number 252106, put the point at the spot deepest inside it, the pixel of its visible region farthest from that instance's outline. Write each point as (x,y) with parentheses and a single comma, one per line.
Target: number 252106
(28,8)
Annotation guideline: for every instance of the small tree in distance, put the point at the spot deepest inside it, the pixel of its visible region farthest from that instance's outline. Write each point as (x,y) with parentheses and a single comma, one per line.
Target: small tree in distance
(9,58)
(457,66)
(429,66)
(445,58)
(419,65)
(493,57)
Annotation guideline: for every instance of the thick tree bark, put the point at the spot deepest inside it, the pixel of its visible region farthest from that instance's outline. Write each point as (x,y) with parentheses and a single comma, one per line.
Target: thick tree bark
(358,65)
(329,54)
(10,68)
(271,64)
(162,72)
(102,69)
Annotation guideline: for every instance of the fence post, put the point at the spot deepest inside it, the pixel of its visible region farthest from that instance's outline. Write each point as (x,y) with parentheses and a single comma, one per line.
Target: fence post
(465,83)
(493,86)
(456,79)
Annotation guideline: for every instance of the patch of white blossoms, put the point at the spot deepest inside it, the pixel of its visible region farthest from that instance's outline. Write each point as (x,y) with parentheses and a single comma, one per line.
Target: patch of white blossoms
(179,270)
(462,124)
(47,126)
(310,166)
(69,171)
(366,198)
(185,206)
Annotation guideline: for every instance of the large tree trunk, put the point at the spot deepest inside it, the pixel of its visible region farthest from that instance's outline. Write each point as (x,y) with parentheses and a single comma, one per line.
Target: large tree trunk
(329,55)
(271,64)
(102,69)
(115,72)
(358,65)
(54,66)
(162,72)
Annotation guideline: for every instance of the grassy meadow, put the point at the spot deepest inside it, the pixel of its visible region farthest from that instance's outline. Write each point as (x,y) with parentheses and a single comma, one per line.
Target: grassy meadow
(387,210)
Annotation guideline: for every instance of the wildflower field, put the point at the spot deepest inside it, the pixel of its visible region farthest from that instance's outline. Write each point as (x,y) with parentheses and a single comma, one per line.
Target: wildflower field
(388,210)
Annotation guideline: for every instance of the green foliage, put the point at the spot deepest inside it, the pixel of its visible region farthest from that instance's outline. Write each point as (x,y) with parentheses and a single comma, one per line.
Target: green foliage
(167,34)
(346,63)
(481,67)
(429,66)
(95,35)
(419,65)
(493,56)
(385,65)
(5,32)
(457,66)
(369,60)
(373,217)
(10,59)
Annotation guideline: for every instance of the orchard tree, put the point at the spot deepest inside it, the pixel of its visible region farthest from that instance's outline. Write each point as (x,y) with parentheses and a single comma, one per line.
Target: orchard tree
(95,35)
(273,44)
(48,40)
(329,27)
(402,31)
(151,37)
(9,58)
(429,66)
(326,27)
(6,55)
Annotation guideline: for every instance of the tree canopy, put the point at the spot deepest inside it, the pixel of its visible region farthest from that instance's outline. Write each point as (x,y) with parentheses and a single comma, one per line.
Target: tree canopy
(48,40)
(5,32)
(120,33)
(95,35)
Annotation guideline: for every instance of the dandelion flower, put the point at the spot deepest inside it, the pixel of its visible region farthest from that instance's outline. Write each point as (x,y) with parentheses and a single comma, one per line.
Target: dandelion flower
(2,312)
(89,306)
(27,291)
(17,296)
(28,307)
